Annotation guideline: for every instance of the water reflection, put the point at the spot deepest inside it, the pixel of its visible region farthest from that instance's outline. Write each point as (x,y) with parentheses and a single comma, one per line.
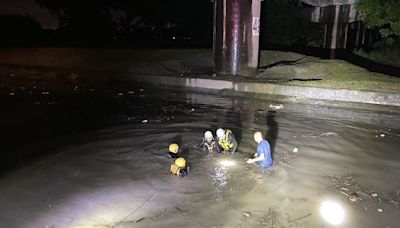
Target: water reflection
(219,179)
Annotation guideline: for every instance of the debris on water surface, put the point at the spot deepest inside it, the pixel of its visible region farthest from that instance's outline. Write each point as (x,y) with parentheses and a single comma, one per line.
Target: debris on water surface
(276,107)
(11,94)
(295,150)
(131,92)
(141,90)
(246,214)
(145,121)
(139,220)
(45,93)
(328,134)
(120,94)
(380,210)
(382,135)
(374,194)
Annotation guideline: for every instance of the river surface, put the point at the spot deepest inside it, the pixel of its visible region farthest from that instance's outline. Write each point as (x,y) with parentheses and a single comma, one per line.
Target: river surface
(92,159)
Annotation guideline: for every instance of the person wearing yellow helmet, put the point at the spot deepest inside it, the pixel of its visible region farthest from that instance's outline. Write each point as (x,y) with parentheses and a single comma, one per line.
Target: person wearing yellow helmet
(180,168)
(174,150)
(207,143)
(226,141)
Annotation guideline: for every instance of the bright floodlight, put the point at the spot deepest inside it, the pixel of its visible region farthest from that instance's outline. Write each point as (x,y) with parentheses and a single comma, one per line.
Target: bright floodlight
(227,163)
(332,212)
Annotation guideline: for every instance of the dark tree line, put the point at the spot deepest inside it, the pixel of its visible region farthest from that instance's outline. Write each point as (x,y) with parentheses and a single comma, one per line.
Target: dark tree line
(169,22)
(153,21)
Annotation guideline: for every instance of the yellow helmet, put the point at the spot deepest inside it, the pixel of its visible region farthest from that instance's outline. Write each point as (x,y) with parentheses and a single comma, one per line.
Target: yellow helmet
(180,162)
(173,148)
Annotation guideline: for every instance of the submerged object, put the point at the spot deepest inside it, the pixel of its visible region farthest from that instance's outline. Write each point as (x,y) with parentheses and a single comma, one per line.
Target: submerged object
(353,197)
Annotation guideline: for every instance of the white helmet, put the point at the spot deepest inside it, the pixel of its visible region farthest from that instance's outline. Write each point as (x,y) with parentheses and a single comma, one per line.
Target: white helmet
(220,133)
(208,135)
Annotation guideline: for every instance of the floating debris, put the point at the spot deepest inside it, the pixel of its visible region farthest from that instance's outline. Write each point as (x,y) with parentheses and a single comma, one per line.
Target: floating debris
(45,93)
(295,150)
(328,134)
(131,92)
(12,75)
(145,121)
(246,214)
(139,220)
(379,210)
(11,94)
(382,135)
(141,90)
(276,107)
(374,195)
(120,94)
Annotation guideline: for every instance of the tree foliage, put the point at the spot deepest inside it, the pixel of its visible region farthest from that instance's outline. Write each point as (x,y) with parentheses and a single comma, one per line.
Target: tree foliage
(94,18)
(382,14)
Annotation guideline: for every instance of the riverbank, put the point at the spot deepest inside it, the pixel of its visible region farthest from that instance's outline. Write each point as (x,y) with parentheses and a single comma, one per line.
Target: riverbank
(281,73)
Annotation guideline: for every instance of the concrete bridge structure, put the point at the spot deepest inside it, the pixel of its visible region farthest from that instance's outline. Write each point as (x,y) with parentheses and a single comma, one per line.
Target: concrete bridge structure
(341,30)
(237,30)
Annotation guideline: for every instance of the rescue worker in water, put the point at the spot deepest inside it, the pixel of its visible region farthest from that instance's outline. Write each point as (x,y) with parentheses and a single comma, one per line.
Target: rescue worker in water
(180,168)
(263,156)
(207,143)
(226,141)
(174,151)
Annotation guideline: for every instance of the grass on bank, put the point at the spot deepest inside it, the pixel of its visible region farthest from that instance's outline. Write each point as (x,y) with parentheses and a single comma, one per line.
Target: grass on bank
(314,72)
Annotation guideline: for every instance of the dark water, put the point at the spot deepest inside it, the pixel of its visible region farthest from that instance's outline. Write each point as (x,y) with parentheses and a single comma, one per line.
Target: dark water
(90,158)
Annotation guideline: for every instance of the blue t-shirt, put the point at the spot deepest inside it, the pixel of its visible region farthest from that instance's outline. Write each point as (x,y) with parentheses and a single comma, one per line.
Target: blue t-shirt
(264,148)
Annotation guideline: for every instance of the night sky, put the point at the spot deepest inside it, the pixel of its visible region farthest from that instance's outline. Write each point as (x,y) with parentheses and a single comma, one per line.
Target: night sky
(31,8)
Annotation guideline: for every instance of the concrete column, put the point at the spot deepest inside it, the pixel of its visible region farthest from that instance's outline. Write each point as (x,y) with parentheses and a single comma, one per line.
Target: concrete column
(236,38)
(334,34)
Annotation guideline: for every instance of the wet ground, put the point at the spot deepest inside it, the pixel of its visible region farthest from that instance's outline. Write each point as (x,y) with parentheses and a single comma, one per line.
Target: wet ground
(90,157)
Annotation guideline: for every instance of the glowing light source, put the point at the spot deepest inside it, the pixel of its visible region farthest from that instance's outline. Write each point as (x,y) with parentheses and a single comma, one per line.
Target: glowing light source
(227,163)
(332,212)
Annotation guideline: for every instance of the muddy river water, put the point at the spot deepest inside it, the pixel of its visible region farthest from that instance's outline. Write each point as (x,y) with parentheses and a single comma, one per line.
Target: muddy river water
(99,161)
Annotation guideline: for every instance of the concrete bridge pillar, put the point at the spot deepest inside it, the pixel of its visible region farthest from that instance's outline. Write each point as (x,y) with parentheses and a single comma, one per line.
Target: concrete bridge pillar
(336,19)
(236,37)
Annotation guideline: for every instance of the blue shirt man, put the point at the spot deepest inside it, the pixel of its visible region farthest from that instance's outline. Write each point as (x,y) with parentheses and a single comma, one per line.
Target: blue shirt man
(263,155)
(264,150)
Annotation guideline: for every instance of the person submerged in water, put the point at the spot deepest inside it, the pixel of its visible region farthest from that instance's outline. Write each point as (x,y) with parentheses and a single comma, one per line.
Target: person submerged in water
(180,168)
(263,156)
